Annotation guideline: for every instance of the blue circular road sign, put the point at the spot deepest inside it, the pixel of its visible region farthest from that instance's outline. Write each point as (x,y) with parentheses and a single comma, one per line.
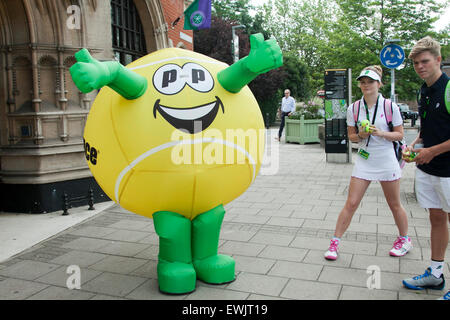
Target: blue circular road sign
(392,56)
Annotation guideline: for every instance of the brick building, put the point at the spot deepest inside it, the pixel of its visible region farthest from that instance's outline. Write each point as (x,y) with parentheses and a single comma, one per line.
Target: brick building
(42,113)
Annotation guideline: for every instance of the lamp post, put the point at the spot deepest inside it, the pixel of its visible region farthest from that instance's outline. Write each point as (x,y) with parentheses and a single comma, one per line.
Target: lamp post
(235,42)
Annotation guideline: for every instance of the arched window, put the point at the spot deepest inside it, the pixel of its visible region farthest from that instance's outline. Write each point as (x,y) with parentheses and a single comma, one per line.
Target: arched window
(127,32)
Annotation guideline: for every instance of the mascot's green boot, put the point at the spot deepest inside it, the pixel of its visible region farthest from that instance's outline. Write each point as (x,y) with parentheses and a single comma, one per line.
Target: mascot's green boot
(210,266)
(176,273)
(188,250)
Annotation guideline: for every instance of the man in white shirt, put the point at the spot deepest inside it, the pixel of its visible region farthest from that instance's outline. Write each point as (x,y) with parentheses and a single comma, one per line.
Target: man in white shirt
(287,107)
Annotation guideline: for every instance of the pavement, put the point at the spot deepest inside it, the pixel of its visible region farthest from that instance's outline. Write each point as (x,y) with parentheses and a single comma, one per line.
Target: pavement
(277,231)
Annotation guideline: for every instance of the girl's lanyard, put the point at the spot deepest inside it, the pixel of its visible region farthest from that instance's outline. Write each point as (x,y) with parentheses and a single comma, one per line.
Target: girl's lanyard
(367,115)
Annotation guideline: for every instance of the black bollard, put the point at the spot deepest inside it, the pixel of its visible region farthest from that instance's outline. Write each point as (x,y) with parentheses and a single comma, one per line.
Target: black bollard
(65,204)
(91,199)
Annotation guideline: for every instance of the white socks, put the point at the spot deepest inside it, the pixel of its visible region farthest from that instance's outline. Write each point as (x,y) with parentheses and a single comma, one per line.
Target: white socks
(437,268)
(336,238)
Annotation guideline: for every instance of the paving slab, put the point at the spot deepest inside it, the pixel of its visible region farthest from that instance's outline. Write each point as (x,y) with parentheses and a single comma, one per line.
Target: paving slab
(120,248)
(84,243)
(310,290)
(283,253)
(113,284)
(272,238)
(277,231)
(345,276)
(253,264)
(149,291)
(79,258)
(17,289)
(28,270)
(357,293)
(62,277)
(58,293)
(208,293)
(258,283)
(296,270)
(387,263)
(118,264)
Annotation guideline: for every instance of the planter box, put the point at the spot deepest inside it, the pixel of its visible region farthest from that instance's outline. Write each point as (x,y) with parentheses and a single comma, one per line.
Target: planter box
(302,131)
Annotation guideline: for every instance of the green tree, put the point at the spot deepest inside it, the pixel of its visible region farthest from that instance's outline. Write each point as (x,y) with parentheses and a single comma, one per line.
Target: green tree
(301,29)
(237,12)
(351,33)
(216,43)
(297,78)
(234,11)
(380,20)
(365,27)
(280,21)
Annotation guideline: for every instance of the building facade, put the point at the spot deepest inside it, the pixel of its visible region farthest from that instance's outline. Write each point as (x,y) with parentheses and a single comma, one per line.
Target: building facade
(42,113)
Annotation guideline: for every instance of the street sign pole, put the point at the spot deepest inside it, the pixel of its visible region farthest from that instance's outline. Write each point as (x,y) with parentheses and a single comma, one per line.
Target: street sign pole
(393,85)
(349,102)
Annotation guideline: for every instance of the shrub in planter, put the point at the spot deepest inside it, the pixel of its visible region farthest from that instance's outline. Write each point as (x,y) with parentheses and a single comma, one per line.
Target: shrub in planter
(302,126)
(311,110)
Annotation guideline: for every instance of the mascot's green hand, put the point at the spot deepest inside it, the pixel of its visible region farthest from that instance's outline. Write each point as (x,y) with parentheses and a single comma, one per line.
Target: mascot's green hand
(264,56)
(89,74)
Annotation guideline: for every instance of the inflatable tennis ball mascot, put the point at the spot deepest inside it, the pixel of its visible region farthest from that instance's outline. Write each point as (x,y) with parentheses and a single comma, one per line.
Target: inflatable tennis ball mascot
(157,141)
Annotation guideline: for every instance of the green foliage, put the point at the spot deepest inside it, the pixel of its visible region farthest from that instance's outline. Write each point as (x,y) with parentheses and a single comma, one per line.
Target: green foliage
(315,35)
(269,108)
(297,79)
(369,24)
(237,12)
(216,43)
(267,89)
(351,33)
(232,10)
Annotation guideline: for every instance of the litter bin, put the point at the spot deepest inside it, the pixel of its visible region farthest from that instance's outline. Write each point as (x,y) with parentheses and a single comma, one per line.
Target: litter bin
(336,136)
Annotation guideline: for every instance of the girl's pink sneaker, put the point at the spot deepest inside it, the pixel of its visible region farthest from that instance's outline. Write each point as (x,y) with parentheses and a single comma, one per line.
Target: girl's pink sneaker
(401,247)
(332,252)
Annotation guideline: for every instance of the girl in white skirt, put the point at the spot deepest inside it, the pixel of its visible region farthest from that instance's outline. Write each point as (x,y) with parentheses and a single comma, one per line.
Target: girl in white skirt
(375,161)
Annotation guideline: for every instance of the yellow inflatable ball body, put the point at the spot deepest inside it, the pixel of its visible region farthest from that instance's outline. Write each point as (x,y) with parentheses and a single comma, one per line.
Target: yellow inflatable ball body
(186,145)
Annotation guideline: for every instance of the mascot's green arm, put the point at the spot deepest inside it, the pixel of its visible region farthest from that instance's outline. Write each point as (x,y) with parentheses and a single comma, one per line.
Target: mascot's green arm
(264,56)
(89,74)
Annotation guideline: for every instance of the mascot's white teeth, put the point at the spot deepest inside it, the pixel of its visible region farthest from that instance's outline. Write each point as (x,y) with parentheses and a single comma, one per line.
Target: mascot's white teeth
(189,114)
(194,119)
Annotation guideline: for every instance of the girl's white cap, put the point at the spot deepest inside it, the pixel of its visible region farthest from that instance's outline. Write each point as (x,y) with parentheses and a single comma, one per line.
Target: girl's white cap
(369,73)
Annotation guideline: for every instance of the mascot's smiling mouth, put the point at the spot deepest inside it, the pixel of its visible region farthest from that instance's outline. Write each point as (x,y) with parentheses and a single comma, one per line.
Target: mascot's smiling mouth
(193,120)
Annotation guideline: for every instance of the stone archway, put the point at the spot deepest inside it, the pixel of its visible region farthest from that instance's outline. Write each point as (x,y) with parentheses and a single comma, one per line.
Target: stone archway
(154,23)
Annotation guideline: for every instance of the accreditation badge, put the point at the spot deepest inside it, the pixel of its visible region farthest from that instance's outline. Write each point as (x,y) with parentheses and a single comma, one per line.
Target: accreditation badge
(363,153)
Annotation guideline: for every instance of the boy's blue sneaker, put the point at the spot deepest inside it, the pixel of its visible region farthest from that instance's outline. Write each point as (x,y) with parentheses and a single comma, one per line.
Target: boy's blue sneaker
(425,281)
(446,296)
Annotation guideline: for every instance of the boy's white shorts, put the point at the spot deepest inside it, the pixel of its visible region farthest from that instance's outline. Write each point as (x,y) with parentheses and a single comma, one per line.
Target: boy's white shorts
(432,191)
